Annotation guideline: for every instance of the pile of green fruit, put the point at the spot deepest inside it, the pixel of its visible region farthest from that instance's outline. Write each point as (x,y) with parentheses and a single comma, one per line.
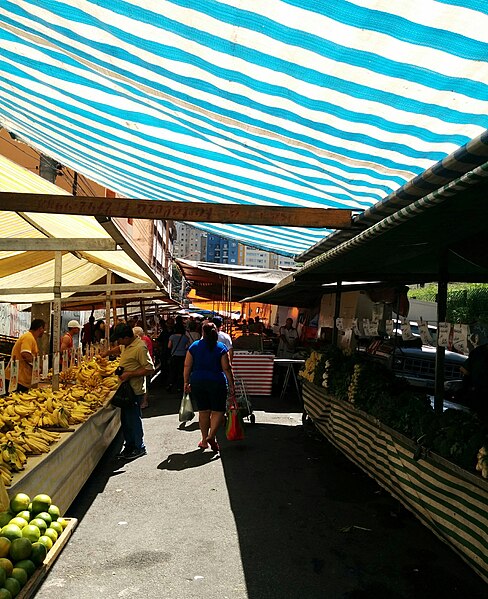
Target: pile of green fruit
(28,531)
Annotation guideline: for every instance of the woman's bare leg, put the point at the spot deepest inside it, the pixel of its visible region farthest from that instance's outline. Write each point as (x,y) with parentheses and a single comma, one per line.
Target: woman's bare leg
(204,422)
(216,419)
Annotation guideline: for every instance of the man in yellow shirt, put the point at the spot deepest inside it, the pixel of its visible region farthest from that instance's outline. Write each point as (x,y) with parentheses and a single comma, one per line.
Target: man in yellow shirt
(136,364)
(25,350)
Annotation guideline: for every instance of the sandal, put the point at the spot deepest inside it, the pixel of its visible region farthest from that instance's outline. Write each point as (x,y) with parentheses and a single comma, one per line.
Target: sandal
(202,445)
(213,444)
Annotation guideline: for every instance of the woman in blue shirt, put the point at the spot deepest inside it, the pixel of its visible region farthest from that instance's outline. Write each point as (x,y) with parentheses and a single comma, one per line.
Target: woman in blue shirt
(207,372)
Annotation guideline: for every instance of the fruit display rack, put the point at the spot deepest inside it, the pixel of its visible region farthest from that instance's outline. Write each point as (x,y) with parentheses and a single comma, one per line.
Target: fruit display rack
(40,574)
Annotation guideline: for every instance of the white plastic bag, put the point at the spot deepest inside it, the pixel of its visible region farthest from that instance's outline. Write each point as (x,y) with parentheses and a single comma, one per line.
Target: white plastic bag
(186,412)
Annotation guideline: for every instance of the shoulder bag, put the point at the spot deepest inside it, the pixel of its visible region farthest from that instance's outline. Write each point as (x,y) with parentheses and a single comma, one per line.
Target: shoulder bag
(124,397)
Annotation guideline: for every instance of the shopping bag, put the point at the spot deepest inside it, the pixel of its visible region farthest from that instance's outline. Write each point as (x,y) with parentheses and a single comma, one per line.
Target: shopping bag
(186,412)
(234,427)
(124,397)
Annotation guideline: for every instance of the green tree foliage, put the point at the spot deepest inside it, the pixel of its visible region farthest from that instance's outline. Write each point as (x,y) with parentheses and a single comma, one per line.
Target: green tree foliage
(466,302)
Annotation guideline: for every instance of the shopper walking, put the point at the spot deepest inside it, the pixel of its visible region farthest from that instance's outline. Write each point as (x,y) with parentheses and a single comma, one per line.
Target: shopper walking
(137,365)
(224,337)
(207,373)
(177,345)
(139,331)
(24,351)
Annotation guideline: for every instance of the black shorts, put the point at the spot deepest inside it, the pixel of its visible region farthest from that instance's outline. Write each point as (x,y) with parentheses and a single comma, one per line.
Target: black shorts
(209,395)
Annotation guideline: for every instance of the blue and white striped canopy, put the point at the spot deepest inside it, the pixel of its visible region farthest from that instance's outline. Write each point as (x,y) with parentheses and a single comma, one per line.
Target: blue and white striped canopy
(270,102)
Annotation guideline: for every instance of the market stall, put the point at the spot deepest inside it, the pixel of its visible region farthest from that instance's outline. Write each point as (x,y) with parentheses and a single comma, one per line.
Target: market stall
(63,471)
(448,499)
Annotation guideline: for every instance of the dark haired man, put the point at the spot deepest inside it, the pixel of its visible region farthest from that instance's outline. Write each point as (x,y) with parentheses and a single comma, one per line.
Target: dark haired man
(24,351)
(136,363)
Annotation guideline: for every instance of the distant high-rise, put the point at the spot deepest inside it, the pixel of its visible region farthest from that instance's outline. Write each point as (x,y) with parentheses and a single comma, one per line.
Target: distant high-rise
(190,243)
(221,250)
(256,258)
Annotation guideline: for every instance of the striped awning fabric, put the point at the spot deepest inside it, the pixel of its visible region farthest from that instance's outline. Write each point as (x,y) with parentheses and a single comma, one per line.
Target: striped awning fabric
(284,102)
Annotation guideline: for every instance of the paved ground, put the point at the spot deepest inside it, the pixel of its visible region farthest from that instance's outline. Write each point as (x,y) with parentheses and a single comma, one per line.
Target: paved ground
(279,515)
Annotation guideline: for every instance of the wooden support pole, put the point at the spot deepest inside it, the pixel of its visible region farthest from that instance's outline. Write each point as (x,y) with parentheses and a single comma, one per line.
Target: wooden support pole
(58,270)
(331,218)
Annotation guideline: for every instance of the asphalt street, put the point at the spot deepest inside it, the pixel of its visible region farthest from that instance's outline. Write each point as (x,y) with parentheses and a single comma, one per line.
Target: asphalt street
(281,514)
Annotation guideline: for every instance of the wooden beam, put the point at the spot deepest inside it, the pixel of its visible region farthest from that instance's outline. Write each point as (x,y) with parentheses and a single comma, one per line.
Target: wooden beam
(331,218)
(55,244)
(113,287)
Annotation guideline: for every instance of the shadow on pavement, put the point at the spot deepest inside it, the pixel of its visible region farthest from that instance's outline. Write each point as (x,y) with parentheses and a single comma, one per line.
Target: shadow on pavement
(191,459)
(312,525)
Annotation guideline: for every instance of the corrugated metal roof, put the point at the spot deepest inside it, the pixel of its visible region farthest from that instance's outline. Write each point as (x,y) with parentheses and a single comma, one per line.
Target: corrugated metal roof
(283,102)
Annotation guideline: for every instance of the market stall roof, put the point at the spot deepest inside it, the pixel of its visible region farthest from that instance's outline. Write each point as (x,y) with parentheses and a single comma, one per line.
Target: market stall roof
(283,102)
(218,281)
(35,269)
(289,292)
(441,236)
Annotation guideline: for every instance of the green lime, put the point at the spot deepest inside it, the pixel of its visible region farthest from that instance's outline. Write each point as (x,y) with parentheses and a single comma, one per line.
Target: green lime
(19,502)
(40,503)
(57,526)
(20,549)
(31,532)
(52,534)
(11,531)
(5,518)
(38,554)
(4,546)
(5,594)
(25,514)
(27,565)
(12,585)
(63,522)
(7,565)
(46,517)
(54,512)
(40,523)
(46,541)
(21,575)
(20,522)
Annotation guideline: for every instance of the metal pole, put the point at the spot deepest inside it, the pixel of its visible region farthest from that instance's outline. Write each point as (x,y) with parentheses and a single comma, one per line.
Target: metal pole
(441,317)
(337,312)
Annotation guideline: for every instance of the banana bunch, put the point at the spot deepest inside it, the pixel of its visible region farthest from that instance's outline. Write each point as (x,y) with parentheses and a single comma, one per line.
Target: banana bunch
(68,375)
(79,413)
(13,455)
(31,440)
(89,374)
(5,474)
(111,382)
(61,417)
(107,367)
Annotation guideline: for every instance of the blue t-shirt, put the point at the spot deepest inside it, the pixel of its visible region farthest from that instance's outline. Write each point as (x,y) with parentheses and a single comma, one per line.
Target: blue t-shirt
(207,362)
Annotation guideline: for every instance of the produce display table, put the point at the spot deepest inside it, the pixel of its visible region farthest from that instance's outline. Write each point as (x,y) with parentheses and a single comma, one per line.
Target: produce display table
(449,500)
(63,471)
(255,370)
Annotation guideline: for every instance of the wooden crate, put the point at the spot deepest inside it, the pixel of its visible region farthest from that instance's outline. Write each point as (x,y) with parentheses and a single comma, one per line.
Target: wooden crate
(36,579)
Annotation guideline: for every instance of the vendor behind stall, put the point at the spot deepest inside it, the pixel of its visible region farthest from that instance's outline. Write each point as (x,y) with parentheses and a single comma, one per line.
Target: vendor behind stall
(288,340)
(24,350)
